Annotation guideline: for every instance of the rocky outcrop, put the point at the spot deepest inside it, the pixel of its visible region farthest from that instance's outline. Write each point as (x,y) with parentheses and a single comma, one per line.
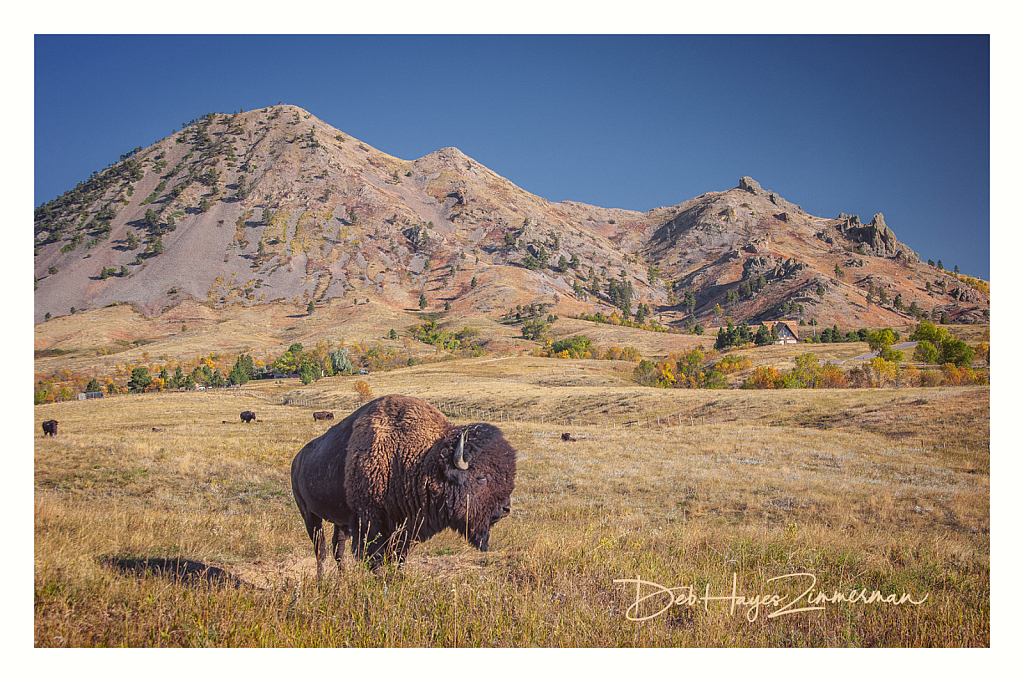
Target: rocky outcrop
(750,184)
(876,236)
(769,266)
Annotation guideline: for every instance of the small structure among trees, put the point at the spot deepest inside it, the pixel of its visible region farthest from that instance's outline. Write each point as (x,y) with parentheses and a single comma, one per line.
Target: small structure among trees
(783,331)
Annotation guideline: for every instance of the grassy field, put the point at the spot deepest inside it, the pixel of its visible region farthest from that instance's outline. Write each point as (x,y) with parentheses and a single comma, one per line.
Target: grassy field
(157,524)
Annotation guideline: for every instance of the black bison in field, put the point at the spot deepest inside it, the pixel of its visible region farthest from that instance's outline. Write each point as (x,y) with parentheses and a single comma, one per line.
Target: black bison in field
(317,416)
(248,416)
(50,427)
(396,471)
(567,437)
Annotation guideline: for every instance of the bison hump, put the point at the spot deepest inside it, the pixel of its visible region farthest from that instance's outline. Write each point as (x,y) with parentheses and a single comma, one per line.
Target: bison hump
(389,448)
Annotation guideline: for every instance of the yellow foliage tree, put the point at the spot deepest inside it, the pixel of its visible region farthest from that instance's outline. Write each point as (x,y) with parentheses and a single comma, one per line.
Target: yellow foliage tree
(363,390)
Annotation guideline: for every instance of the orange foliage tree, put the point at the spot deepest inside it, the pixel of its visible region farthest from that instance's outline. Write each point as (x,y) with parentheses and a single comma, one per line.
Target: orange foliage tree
(363,390)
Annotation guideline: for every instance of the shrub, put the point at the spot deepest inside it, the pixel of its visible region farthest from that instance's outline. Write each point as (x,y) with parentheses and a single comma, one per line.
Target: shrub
(732,363)
(764,377)
(628,353)
(961,376)
(577,346)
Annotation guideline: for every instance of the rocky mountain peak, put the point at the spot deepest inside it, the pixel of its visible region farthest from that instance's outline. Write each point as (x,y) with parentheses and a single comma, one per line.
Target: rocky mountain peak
(277,205)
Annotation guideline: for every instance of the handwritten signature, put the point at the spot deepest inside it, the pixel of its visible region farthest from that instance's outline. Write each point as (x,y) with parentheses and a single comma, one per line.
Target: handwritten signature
(650,595)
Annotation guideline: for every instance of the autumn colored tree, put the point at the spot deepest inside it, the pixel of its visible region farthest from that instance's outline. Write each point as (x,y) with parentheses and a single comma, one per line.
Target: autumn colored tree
(363,390)
(764,377)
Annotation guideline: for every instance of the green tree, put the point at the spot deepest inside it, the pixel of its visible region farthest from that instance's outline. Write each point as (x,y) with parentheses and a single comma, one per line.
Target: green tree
(926,352)
(763,337)
(689,301)
(930,332)
(393,335)
(578,346)
(310,308)
(132,241)
(93,386)
(340,361)
(447,306)
(955,351)
(140,379)
(308,372)
(646,373)
(472,284)
(423,301)
(881,338)
(534,329)
(243,370)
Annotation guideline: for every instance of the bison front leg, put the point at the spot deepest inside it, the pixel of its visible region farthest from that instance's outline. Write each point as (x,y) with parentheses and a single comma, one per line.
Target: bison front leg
(382,542)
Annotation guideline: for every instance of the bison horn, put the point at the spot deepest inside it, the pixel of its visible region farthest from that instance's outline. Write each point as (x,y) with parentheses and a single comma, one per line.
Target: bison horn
(459,461)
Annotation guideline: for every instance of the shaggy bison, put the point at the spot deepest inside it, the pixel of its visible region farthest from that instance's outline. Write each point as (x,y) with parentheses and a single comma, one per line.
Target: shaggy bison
(396,471)
(567,437)
(248,416)
(317,416)
(50,427)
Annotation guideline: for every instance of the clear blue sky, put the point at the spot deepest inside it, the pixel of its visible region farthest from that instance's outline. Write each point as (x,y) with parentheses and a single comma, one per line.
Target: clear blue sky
(897,125)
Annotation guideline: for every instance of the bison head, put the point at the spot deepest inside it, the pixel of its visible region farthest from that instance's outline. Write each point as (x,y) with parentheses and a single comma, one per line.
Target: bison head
(480,468)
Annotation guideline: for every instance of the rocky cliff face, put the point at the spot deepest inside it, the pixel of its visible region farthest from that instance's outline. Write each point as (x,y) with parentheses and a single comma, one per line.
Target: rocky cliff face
(275,204)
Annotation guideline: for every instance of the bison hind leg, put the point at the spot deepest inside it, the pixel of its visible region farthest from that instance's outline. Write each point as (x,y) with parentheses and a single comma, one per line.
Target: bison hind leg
(315,529)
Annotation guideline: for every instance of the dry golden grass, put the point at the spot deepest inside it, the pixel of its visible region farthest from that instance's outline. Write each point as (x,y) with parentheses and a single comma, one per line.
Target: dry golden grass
(188,536)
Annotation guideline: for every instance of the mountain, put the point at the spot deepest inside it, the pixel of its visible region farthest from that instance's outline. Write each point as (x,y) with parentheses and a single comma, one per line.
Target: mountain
(276,205)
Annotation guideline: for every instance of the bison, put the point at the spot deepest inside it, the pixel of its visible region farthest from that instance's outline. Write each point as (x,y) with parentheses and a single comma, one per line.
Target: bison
(248,416)
(50,427)
(317,416)
(396,471)
(567,437)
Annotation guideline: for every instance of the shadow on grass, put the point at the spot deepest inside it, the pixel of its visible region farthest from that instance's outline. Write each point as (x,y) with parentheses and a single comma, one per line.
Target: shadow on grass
(183,570)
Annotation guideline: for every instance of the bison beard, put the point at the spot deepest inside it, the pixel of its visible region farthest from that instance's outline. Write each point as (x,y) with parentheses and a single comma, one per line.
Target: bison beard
(396,471)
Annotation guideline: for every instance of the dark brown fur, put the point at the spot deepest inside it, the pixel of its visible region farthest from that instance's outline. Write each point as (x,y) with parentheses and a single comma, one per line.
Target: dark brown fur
(50,427)
(567,437)
(317,416)
(385,475)
(248,416)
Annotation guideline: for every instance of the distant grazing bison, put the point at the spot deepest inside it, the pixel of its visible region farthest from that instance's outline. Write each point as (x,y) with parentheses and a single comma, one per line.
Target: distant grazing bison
(50,428)
(396,471)
(248,416)
(567,437)
(317,416)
